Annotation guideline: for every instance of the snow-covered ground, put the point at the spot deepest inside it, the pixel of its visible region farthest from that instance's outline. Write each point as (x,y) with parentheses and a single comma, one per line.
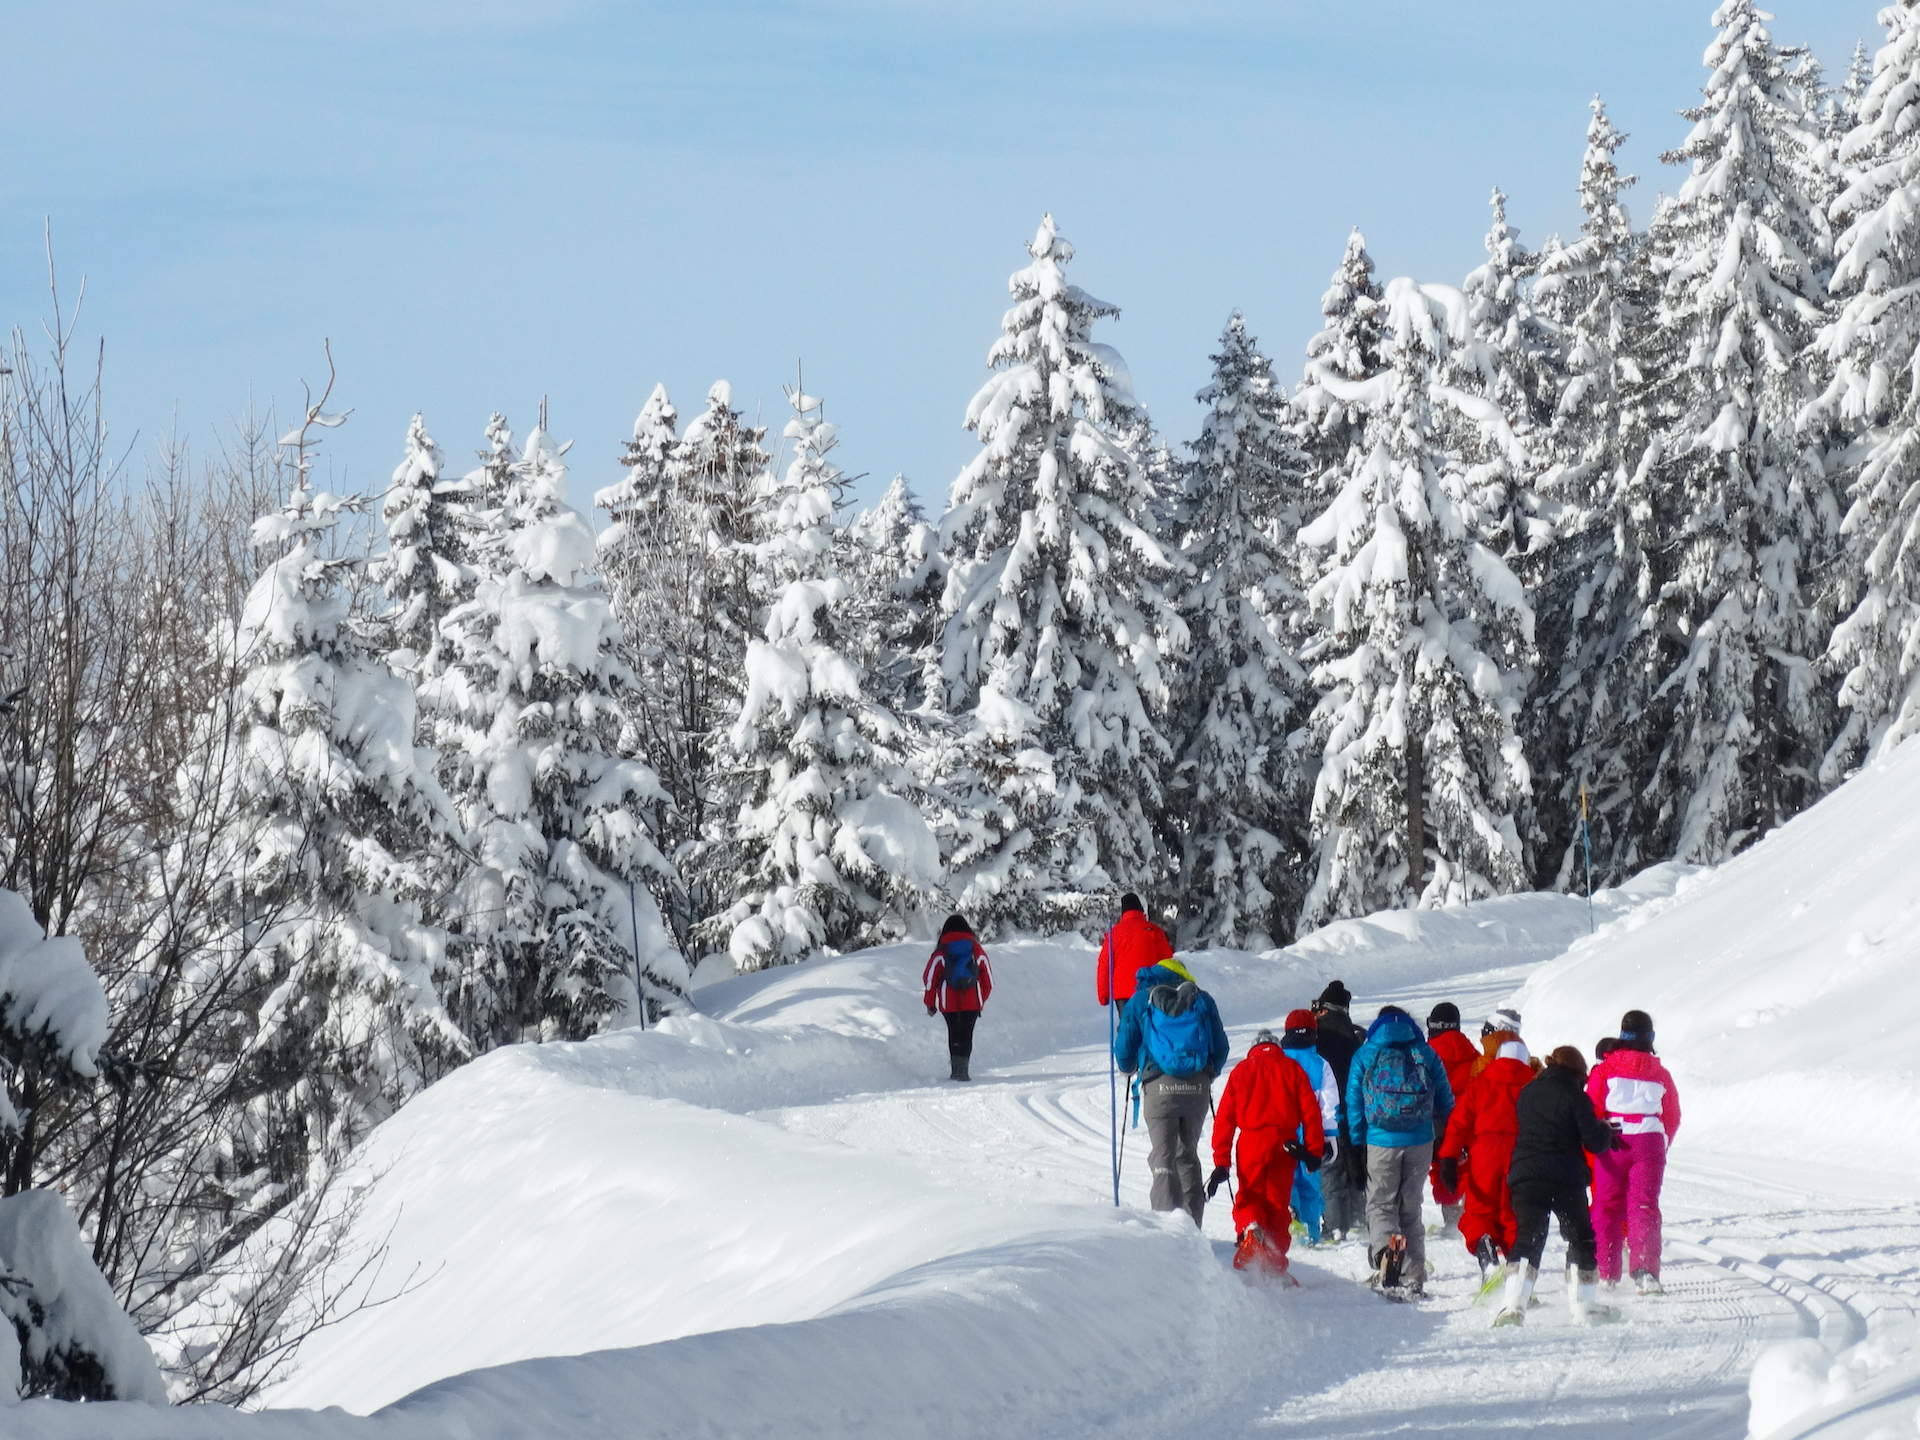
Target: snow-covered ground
(774,1218)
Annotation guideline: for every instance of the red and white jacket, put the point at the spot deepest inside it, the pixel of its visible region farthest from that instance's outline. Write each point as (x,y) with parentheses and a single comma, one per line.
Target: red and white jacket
(1633,1087)
(946,1001)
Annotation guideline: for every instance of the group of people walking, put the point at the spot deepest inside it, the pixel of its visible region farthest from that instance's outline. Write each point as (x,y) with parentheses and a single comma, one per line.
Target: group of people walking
(1331,1130)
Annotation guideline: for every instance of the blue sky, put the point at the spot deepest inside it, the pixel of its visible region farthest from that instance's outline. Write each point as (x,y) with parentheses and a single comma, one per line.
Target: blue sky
(482,203)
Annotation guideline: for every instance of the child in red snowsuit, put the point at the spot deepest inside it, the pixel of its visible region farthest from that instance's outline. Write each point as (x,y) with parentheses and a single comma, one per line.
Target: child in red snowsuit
(1478,1146)
(1456,1052)
(1267,1103)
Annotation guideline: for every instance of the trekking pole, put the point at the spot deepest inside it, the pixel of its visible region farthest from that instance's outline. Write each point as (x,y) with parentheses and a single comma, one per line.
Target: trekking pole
(1116,1140)
(1210,1120)
(1586,843)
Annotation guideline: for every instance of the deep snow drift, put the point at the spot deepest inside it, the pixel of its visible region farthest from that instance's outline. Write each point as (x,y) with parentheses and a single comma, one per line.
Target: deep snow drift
(771,1217)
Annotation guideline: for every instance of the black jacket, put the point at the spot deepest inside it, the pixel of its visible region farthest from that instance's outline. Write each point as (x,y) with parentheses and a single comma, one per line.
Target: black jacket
(1557,1124)
(1337,1040)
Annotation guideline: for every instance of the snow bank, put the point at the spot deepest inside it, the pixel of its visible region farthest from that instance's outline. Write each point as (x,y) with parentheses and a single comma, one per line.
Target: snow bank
(1802,1388)
(1782,986)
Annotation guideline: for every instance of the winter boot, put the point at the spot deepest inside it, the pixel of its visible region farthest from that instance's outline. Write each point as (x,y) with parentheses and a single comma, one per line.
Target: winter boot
(1647,1282)
(1487,1256)
(1389,1262)
(1513,1310)
(960,1066)
(1450,1218)
(1582,1301)
(1247,1250)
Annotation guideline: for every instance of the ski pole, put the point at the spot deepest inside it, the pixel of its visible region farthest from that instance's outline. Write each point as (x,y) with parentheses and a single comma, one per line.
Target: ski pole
(1120,1155)
(1114,1137)
(1210,1120)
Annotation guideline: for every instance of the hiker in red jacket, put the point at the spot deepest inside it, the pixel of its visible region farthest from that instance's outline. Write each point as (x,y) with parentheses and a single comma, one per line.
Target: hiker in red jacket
(958,981)
(1456,1052)
(1133,944)
(1268,1102)
(1477,1149)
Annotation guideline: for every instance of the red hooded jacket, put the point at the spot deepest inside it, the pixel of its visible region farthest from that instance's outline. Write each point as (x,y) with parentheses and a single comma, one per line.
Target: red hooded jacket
(940,996)
(1267,1100)
(1133,944)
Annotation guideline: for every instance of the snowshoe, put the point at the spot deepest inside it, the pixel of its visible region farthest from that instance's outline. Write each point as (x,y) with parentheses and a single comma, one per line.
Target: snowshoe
(1648,1283)
(1495,1278)
(1509,1317)
(1486,1255)
(1583,1304)
(1393,1257)
(1257,1253)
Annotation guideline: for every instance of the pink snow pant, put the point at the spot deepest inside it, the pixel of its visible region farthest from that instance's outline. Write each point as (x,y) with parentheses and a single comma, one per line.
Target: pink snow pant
(1626,1203)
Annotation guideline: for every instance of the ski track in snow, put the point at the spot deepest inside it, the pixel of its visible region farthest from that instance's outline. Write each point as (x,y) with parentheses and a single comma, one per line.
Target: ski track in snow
(1739,1276)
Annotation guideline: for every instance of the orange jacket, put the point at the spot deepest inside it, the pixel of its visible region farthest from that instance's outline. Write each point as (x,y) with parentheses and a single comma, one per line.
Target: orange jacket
(1133,944)
(1269,1097)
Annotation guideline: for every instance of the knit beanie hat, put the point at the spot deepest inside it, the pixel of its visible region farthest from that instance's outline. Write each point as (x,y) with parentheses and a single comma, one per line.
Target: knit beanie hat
(1504,1018)
(1444,1016)
(1302,1028)
(956,924)
(1130,901)
(1265,1037)
(1568,1058)
(1335,996)
(1636,1030)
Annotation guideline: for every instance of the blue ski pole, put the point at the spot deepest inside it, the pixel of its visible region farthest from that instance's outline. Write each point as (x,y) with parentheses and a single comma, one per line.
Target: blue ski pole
(1113,1084)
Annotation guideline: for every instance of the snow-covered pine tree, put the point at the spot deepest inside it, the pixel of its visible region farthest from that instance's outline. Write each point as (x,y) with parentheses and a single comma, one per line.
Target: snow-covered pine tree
(1742,718)
(1237,801)
(1585,726)
(1348,349)
(1053,622)
(420,571)
(337,818)
(556,907)
(1418,641)
(1870,345)
(829,849)
(1499,388)
(896,590)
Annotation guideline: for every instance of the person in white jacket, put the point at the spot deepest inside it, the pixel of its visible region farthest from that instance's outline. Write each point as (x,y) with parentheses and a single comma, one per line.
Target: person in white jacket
(1309,1206)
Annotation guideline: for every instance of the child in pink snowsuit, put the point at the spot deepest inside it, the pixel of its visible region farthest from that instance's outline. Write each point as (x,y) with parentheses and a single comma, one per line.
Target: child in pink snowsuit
(1635,1095)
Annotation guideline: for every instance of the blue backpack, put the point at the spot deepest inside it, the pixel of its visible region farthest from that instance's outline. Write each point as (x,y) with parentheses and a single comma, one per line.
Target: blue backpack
(961,973)
(1399,1096)
(1178,1038)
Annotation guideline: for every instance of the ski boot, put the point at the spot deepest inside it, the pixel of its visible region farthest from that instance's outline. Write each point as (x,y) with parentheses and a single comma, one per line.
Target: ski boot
(1582,1303)
(1513,1309)
(1648,1283)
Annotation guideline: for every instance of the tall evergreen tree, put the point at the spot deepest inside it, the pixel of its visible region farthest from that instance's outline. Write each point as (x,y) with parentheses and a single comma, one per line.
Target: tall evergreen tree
(1586,728)
(1870,345)
(829,849)
(1349,348)
(555,907)
(336,817)
(1742,719)
(1053,624)
(1237,797)
(1420,634)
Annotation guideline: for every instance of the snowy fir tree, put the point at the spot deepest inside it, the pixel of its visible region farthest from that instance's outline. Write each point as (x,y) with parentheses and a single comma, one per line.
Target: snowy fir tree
(1742,717)
(830,849)
(1419,639)
(420,572)
(892,567)
(556,907)
(1236,800)
(1053,622)
(1349,348)
(1585,728)
(337,818)
(1870,346)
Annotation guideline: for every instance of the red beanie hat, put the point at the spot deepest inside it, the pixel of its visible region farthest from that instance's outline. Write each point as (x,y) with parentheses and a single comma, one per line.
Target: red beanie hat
(1301,1027)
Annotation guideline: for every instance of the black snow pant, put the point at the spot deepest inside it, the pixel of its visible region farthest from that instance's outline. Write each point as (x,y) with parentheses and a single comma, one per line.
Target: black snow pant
(960,1025)
(1174,1110)
(1535,1202)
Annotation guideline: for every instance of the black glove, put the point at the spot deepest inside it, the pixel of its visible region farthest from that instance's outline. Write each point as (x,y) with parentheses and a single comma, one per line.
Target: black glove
(1299,1151)
(1216,1180)
(1357,1166)
(1450,1172)
(929,1009)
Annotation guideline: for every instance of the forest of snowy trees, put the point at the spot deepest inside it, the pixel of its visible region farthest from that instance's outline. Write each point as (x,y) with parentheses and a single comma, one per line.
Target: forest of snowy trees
(339,791)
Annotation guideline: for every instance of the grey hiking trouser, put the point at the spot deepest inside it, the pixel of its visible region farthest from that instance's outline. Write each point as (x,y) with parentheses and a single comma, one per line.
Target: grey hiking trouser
(1346,1202)
(1175,1112)
(1396,1181)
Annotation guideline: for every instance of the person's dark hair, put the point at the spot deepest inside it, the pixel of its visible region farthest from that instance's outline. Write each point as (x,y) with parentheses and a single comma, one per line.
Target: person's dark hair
(956,924)
(1636,1031)
(1605,1046)
(1386,1010)
(1131,901)
(1568,1058)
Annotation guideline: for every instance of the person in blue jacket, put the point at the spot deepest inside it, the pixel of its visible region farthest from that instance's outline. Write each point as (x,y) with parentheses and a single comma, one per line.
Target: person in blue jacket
(1171,1033)
(1398,1100)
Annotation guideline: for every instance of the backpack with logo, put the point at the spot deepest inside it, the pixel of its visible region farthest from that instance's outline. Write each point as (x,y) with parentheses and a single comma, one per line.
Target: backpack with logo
(1399,1096)
(960,973)
(1177,1035)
